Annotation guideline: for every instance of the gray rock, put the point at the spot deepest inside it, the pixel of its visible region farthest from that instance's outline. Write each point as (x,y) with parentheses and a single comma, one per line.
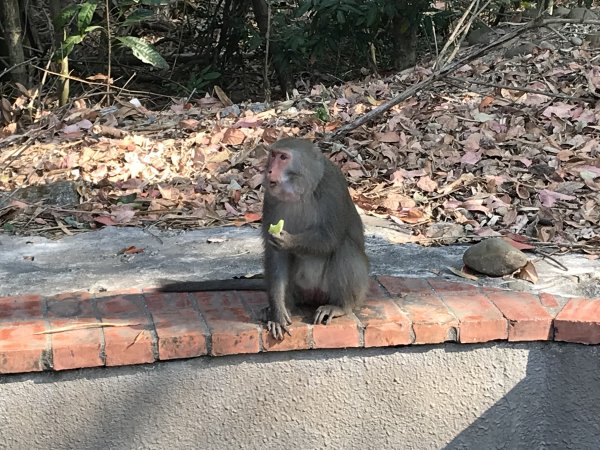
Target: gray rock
(560,11)
(494,257)
(60,193)
(577,41)
(480,36)
(546,45)
(582,14)
(593,40)
(525,48)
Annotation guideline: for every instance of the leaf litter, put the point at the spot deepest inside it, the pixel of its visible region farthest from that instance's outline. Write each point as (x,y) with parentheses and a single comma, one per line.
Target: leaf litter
(488,160)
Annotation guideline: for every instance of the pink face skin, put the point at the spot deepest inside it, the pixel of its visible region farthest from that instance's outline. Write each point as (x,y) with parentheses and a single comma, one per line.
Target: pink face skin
(278,178)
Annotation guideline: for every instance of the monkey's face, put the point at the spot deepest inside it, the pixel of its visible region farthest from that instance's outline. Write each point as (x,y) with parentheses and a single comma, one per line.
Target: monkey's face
(282,179)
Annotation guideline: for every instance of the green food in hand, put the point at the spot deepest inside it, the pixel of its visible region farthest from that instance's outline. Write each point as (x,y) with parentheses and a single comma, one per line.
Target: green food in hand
(276,229)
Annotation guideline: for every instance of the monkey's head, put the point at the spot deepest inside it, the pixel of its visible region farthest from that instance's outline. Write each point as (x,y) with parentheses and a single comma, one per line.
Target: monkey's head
(294,169)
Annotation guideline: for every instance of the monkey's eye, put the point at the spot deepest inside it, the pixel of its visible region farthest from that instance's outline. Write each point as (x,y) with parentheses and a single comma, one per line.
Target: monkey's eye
(283,156)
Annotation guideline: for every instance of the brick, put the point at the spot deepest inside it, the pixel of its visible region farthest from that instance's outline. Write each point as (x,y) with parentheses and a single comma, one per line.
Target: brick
(81,295)
(180,335)
(71,305)
(548,300)
(128,344)
(300,329)
(441,286)
(256,301)
(298,339)
(180,329)
(342,332)
(401,286)
(432,321)
(121,306)
(76,349)
(168,302)
(479,320)
(376,291)
(119,293)
(131,342)
(384,323)
(579,321)
(21,350)
(24,307)
(528,320)
(231,327)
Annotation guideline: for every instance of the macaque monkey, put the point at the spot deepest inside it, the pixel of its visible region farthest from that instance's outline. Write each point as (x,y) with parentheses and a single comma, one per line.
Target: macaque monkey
(319,257)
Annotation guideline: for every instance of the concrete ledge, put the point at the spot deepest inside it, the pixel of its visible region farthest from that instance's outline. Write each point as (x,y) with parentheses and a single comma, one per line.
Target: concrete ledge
(78,330)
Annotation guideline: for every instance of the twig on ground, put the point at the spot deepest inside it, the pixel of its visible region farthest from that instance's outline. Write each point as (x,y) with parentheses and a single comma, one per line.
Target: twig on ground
(549,257)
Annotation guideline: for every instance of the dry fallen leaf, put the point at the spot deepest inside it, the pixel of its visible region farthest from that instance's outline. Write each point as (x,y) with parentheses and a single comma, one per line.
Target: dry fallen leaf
(527,273)
(132,249)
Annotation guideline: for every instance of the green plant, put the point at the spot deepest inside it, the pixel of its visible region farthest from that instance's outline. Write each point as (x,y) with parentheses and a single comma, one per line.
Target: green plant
(131,12)
(198,81)
(343,35)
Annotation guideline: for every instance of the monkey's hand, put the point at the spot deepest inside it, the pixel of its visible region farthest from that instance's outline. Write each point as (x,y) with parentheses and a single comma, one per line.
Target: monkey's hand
(282,241)
(278,324)
(325,313)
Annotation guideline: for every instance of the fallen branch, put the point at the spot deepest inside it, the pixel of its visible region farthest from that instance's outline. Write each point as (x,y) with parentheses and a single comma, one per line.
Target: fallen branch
(84,326)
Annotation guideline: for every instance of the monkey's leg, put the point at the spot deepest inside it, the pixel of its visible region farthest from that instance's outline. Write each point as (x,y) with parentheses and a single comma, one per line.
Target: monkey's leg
(347,280)
(277,267)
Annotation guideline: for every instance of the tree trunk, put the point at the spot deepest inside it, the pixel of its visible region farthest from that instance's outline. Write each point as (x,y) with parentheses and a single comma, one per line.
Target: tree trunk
(10,17)
(405,33)
(56,7)
(261,13)
(405,42)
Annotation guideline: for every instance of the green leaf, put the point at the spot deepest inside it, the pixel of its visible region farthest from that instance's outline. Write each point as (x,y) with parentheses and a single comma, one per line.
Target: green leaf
(86,13)
(66,15)
(125,199)
(211,75)
(304,7)
(91,28)
(144,51)
(69,43)
(325,4)
(340,16)
(372,16)
(73,222)
(8,227)
(75,39)
(322,113)
(138,16)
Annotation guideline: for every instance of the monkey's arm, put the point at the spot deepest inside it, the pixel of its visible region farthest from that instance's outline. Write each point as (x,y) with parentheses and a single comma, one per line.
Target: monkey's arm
(235,284)
(277,266)
(312,241)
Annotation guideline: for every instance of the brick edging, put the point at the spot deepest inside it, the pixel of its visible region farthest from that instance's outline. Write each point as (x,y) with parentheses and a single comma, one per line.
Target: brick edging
(144,326)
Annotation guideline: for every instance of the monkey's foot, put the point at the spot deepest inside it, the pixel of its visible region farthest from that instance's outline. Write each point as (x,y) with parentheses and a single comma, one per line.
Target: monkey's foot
(277,323)
(325,313)
(277,330)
